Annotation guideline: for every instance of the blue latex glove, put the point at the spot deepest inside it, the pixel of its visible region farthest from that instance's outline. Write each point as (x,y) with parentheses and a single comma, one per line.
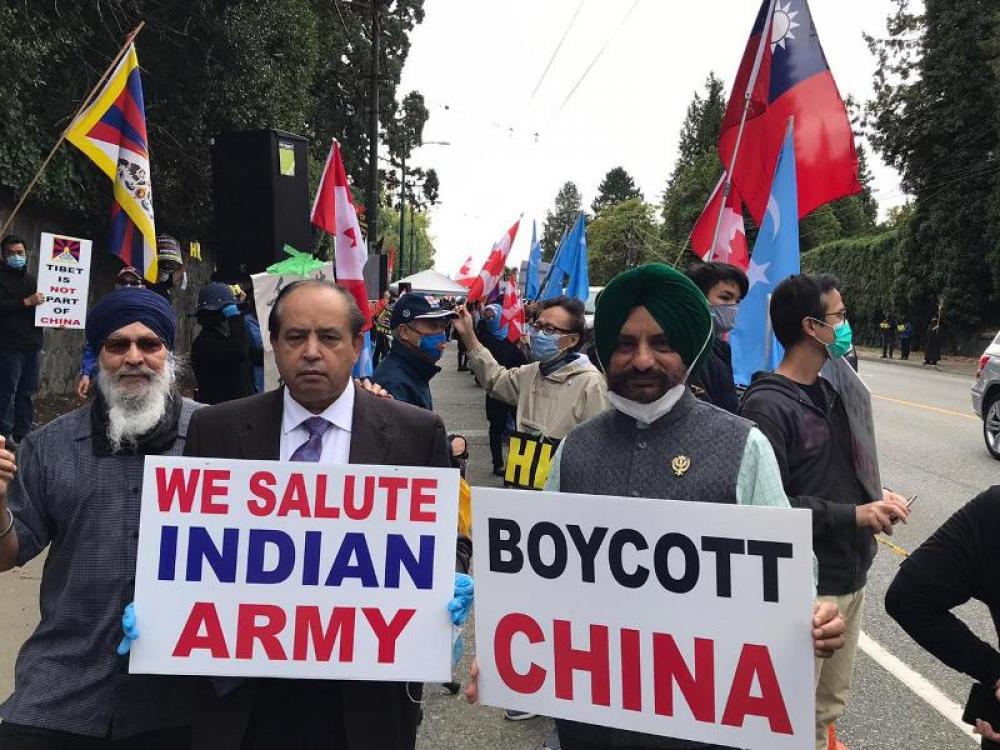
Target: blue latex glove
(461,603)
(129,629)
(230,311)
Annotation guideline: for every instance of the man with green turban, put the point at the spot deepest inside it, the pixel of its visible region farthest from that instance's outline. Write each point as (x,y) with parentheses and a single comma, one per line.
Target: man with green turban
(653,329)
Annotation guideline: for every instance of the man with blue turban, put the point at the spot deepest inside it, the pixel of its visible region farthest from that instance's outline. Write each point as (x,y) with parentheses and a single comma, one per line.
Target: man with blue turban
(76,492)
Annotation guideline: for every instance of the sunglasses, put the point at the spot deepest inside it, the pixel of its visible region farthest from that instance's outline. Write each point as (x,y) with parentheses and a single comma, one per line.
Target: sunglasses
(131,282)
(146,345)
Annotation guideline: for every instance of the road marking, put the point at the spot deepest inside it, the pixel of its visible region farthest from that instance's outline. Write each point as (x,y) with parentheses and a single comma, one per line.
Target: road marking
(920,685)
(927,407)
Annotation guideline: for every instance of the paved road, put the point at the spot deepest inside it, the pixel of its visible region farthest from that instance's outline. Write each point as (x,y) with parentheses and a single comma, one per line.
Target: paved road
(929,443)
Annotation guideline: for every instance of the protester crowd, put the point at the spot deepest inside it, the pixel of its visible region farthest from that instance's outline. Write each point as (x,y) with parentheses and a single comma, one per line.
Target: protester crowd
(652,379)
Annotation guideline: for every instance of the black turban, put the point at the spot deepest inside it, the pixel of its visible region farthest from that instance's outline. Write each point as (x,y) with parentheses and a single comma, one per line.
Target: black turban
(670,297)
(130,305)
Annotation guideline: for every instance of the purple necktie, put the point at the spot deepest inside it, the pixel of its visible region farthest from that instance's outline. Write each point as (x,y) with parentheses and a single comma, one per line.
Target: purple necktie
(312,448)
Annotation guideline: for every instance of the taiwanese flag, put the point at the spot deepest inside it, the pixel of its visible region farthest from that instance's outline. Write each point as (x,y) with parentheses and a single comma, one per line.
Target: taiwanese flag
(786,77)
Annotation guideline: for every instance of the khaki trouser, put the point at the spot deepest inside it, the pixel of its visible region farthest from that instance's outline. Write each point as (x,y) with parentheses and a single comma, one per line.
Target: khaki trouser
(833,675)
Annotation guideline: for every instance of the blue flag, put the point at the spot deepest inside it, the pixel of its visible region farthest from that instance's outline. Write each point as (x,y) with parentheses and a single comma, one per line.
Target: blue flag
(532,283)
(363,367)
(775,257)
(573,260)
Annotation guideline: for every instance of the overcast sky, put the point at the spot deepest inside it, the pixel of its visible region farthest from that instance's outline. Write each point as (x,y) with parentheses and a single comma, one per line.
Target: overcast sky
(477,63)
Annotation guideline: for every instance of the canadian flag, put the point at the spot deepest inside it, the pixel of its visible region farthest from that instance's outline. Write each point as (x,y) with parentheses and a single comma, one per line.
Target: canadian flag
(512,314)
(334,213)
(731,246)
(464,276)
(492,271)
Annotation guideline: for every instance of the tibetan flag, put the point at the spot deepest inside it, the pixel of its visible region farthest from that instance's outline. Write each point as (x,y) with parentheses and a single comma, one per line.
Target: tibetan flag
(334,213)
(112,132)
(492,271)
(731,246)
(785,74)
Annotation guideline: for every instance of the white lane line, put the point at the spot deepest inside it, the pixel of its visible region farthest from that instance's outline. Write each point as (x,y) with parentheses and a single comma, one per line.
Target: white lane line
(919,684)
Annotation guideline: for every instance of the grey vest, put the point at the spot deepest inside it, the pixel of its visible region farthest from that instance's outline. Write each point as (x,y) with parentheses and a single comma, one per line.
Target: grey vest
(610,455)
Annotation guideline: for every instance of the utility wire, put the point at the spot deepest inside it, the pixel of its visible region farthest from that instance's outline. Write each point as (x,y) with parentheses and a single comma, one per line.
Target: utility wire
(556,50)
(597,57)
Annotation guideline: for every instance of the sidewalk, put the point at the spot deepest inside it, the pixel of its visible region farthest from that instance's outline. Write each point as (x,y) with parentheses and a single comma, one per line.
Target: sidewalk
(449,722)
(964,366)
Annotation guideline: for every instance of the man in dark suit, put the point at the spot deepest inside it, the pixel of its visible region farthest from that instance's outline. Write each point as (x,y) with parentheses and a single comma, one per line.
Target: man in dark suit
(318,415)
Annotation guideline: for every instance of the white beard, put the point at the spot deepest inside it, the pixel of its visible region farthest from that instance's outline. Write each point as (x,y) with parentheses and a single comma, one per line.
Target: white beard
(132,414)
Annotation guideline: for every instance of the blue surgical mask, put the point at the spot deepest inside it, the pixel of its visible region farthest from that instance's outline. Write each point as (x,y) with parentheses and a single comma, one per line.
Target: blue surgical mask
(17,262)
(544,346)
(430,345)
(725,317)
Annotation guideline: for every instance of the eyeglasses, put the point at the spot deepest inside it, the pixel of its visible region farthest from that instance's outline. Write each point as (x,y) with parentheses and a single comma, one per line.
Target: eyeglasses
(551,330)
(146,345)
(839,316)
(131,282)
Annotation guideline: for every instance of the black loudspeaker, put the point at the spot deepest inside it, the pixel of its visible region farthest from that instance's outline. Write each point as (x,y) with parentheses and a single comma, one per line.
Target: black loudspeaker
(260,191)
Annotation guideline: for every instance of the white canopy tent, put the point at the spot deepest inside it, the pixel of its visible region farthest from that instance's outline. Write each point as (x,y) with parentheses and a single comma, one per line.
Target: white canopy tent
(432,282)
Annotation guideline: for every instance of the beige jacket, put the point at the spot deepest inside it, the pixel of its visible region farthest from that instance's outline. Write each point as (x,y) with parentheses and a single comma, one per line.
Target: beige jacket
(551,405)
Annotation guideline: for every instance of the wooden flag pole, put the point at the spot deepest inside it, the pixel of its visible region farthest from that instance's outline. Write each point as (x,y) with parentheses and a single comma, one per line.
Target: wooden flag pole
(62,137)
(765,38)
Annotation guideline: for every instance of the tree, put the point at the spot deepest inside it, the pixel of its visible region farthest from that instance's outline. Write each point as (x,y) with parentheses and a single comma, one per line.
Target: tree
(560,219)
(934,119)
(208,66)
(622,236)
(698,166)
(617,186)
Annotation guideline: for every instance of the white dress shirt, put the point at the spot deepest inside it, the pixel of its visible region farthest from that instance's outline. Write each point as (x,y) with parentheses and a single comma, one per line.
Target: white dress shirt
(336,441)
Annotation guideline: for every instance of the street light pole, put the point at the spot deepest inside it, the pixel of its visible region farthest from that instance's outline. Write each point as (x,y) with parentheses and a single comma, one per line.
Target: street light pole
(371,209)
(402,203)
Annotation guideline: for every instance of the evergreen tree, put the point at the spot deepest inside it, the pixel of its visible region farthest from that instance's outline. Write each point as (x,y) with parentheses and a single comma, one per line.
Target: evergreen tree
(621,237)
(560,219)
(617,186)
(934,119)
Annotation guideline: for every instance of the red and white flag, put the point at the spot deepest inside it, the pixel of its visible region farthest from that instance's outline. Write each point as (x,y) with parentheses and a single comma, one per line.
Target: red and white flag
(464,275)
(334,213)
(512,314)
(492,271)
(731,246)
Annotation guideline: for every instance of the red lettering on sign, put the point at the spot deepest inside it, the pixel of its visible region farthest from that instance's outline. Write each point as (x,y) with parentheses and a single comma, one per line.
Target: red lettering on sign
(669,668)
(351,508)
(631,670)
(392,486)
(179,484)
(755,661)
(295,499)
(387,632)
(203,614)
(510,625)
(423,492)
(264,499)
(309,628)
(248,630)
(595,661)
(322,509)
(212,488)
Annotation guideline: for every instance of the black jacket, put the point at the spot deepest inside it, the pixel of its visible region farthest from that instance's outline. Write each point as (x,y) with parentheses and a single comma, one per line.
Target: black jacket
(220,358)
(715,381)
(17,322)
(406,375)
(815,457)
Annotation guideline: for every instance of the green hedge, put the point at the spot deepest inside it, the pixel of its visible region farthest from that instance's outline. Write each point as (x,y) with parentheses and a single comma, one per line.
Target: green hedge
(867,267)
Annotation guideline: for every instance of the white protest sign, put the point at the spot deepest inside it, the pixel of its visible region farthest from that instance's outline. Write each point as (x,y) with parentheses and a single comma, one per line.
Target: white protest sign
(858,405)
(266,287)
(279,569)
(680,619)
(64,279)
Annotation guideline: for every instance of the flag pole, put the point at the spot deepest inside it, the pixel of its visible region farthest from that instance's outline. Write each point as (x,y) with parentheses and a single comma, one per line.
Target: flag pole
(86,102)
(765,39)
(552,264)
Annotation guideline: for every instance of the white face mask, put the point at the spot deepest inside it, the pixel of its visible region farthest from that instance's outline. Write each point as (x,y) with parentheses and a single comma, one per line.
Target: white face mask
(646,414)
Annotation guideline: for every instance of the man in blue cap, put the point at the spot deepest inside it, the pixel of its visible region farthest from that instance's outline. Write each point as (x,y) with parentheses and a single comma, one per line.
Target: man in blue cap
(76,492)
(419,336)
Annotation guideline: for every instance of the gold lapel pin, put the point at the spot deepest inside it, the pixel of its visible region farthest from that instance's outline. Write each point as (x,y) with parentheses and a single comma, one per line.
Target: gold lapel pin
(680,465)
